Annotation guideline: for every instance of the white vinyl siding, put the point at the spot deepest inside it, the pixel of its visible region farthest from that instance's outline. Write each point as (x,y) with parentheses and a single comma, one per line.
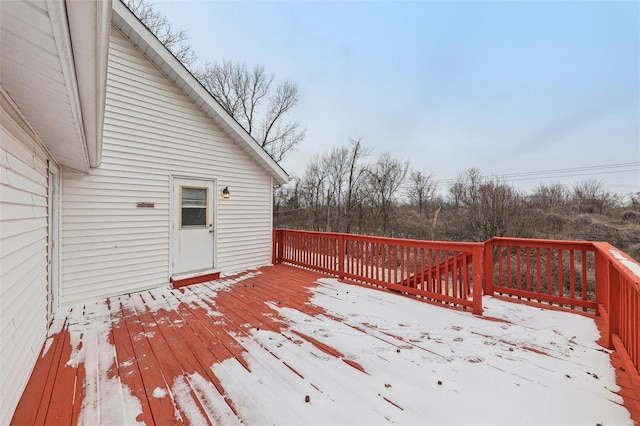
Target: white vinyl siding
(23,260)
(152,131)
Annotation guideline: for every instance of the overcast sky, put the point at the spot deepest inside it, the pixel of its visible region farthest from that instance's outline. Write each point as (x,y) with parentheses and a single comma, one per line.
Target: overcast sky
(505,86)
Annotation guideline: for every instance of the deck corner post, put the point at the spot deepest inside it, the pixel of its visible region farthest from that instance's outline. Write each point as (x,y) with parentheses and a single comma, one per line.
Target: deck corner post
(488,268)
(341,259)
(477,279)
(277,246)
(274,248)
(602,279)
(614,305)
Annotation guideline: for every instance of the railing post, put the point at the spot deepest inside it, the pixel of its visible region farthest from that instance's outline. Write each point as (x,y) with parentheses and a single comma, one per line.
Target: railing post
(477,279)
(488,268)
(279,242)
(602,280)
(274,243)
(614,305)
(341,256)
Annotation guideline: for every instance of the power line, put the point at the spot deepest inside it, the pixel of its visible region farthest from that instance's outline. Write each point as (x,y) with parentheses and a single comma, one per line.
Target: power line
(564,172)
(575,175)
(572,169)
(294,210)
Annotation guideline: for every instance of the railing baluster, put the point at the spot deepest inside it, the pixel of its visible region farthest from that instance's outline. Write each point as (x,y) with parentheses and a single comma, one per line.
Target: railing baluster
(518,269)
(455,290)
(446,272)
(527,253)
(430,265)
(538,271)
(417,268)
(584,275)
(500,277)
(508,259)
(423,265)
(572,274)
(374,262)
(560,274)
(549,282)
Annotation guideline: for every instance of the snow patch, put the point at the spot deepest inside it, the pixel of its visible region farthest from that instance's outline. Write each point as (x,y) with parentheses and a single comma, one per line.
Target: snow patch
(245,275)
(47,346)
(423,361)
(159,393)
(171,299)
(632,266)
(214,404)
(106,399)
(186,403)
(57,323)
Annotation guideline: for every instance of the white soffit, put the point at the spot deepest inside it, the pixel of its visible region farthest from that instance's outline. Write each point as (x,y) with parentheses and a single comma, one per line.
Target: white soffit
(127,23)
(37,71)
(90,27)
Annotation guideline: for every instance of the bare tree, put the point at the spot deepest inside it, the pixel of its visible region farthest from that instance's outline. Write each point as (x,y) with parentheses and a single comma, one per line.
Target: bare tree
(592,197)
(466,189)
(488,207)
(634,201)
(355,180)
(251,96)
(500,211)
(257,102)
(421,189)
(550,196)
(158,24)
(331,193)
(385,177)
(336,165)
(314,190)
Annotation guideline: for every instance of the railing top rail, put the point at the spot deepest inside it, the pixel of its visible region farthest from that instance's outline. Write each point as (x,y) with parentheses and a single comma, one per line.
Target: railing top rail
(627,266)
(443,245)
(542,243)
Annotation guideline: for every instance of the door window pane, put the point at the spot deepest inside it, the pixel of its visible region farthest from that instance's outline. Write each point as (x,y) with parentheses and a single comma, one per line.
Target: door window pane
(194,197)
(193,207)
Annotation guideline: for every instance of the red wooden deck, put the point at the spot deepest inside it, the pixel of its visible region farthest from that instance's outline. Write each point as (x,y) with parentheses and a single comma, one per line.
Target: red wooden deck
(149,356)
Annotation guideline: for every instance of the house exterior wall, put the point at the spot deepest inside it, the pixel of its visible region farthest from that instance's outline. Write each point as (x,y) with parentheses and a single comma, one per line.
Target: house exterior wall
(23,255)
(152,132)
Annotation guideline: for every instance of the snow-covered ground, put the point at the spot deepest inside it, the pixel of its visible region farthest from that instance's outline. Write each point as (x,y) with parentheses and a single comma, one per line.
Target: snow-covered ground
(428,365)
(372,357)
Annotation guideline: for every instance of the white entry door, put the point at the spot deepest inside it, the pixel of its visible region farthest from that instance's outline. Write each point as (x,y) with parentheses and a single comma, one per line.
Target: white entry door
(193,220)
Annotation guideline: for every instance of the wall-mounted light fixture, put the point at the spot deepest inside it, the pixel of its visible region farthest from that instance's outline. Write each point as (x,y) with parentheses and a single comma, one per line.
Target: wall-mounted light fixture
(225,192)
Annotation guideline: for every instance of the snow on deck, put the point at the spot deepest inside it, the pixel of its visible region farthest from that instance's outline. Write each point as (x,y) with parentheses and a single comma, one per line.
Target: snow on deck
(288,346)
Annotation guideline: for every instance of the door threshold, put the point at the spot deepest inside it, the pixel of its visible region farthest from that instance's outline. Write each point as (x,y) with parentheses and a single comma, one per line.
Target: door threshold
(183,280)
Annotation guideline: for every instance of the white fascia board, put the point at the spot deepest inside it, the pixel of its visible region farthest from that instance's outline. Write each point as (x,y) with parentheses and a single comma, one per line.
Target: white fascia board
(60,25)
(90,27)
(164,60)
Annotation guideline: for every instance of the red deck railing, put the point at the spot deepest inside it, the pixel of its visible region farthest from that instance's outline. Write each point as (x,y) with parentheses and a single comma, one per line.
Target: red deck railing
(618,297)
(591,277)
(444,272)
(558,273)
(574,275)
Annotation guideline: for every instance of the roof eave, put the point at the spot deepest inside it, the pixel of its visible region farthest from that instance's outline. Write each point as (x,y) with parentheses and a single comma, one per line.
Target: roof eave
(89,28)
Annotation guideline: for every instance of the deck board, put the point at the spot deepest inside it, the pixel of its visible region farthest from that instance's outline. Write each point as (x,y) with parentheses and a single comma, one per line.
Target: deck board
(34,408)
(218,351)
(135,365)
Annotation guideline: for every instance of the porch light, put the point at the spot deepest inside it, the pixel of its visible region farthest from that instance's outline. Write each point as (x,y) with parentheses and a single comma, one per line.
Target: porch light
(225,192)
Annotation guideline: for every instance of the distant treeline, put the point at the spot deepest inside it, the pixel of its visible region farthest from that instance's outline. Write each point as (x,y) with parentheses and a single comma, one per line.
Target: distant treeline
(339,192)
